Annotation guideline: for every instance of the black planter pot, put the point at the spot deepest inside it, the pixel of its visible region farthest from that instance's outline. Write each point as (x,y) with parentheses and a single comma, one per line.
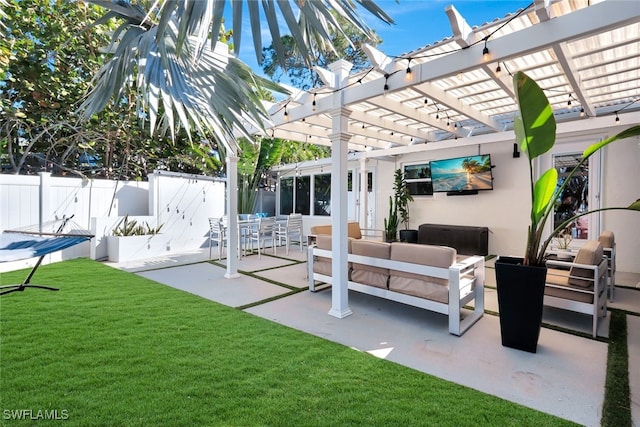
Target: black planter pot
(409,236)
(520,300)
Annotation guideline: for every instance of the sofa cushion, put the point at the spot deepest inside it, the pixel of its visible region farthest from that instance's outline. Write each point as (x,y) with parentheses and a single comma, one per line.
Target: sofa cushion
(322,265)
(562,288)
(353,230)
(591,254)
(607,239)
(320,230)
(367,274)
(429,287)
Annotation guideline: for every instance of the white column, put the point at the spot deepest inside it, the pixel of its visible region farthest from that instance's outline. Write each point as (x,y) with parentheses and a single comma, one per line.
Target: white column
(339,216)
(232,217)
(364,193)
(339,210)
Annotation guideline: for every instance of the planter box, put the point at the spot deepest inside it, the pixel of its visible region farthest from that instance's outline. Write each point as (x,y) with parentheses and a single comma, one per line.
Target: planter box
(129,248)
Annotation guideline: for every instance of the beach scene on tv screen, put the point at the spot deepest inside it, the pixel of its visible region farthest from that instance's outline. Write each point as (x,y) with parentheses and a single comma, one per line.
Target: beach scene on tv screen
(460,174)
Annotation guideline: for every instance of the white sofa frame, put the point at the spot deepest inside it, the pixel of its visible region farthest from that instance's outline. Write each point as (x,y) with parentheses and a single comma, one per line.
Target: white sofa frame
(466,283)
(597,308)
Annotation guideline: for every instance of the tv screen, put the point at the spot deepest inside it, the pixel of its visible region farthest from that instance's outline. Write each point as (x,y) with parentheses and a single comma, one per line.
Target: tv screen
(471,173)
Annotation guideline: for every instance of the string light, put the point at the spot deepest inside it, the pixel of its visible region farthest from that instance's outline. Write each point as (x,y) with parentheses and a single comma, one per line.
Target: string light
(409,75)
(286,114)
(485,51)
(498,70)
(386,83)
(617,118)
(582,113)
(569,101)
(313,104)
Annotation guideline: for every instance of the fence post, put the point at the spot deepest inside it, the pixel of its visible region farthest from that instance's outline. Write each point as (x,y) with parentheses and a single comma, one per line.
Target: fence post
(44,198)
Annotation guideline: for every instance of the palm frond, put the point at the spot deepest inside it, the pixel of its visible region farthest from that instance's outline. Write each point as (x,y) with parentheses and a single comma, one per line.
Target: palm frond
(184,79)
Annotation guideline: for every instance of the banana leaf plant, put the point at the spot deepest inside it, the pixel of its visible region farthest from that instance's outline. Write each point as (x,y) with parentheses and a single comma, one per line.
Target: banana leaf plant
(535,130)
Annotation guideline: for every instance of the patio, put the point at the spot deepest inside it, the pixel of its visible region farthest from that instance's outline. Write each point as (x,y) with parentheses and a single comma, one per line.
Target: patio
(565,378)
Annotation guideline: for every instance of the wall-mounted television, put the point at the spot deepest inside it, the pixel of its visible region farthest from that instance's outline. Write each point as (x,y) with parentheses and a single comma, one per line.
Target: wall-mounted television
(462,175)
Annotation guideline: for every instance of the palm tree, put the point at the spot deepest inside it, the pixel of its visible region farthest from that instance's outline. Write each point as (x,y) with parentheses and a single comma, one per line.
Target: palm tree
(184,79)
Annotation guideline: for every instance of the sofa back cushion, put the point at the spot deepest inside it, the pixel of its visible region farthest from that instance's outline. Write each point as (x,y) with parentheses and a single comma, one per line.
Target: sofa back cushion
(607,239)
(423,286)
(590,253)
(322,265)
(353,230)
(367,274)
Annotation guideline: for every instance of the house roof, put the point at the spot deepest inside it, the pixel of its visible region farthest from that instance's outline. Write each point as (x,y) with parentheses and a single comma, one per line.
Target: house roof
(583,53)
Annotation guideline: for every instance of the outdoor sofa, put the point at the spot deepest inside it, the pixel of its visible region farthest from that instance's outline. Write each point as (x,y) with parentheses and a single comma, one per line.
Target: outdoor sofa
(425,276)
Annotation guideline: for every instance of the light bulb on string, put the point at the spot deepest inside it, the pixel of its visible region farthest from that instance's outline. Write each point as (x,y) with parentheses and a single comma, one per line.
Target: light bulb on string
(498,71)
(617,118)
(409,74)
(485,51)
(313,104)
(582,113)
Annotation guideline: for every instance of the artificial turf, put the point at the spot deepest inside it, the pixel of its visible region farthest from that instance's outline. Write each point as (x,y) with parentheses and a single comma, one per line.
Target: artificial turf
(112,348)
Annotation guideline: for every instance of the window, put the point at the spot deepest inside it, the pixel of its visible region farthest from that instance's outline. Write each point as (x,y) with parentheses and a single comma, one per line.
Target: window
(418,178)
(303,195)
(574,199)
(286,196)
(322,194)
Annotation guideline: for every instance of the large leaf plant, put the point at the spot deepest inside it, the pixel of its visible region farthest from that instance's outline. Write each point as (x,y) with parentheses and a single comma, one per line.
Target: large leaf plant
(535,130)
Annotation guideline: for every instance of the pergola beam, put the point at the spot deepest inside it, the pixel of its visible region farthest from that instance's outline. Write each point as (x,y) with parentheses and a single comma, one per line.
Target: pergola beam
(579,24)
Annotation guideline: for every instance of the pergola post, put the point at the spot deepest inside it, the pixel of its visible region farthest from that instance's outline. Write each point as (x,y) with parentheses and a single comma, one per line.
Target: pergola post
(232,217)
(339,208)
(364,193)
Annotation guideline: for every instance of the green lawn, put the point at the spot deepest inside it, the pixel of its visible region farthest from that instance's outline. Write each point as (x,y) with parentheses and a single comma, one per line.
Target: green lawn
(112,348)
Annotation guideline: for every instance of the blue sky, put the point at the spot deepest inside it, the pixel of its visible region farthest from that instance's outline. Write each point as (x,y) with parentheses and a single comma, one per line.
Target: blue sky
(417,23)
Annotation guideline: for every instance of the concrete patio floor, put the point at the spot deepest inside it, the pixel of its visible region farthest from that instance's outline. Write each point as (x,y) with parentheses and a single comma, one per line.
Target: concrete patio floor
(565,377)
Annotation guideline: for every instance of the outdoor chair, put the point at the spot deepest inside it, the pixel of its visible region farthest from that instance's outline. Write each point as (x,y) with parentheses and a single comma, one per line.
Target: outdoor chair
(263,231)
(217,233)
(291,231)
(580,285)
(608,241)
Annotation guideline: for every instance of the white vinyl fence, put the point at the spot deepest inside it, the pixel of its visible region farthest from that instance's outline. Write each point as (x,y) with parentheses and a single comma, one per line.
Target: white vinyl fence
(182,203)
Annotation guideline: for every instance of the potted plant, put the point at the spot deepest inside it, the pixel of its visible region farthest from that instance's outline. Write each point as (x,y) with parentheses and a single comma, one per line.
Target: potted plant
(130,240)
(391,223)
(402,199)
(520,281)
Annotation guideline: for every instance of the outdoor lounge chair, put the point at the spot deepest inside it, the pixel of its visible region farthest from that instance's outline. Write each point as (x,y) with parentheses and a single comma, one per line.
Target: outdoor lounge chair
(581,285)
(38,241)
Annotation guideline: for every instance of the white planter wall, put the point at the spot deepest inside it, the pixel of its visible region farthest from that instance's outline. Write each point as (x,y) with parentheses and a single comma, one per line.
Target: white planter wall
(129,248)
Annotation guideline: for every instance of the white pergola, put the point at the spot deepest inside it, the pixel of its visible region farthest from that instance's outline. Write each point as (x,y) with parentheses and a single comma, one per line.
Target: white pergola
(583,53)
